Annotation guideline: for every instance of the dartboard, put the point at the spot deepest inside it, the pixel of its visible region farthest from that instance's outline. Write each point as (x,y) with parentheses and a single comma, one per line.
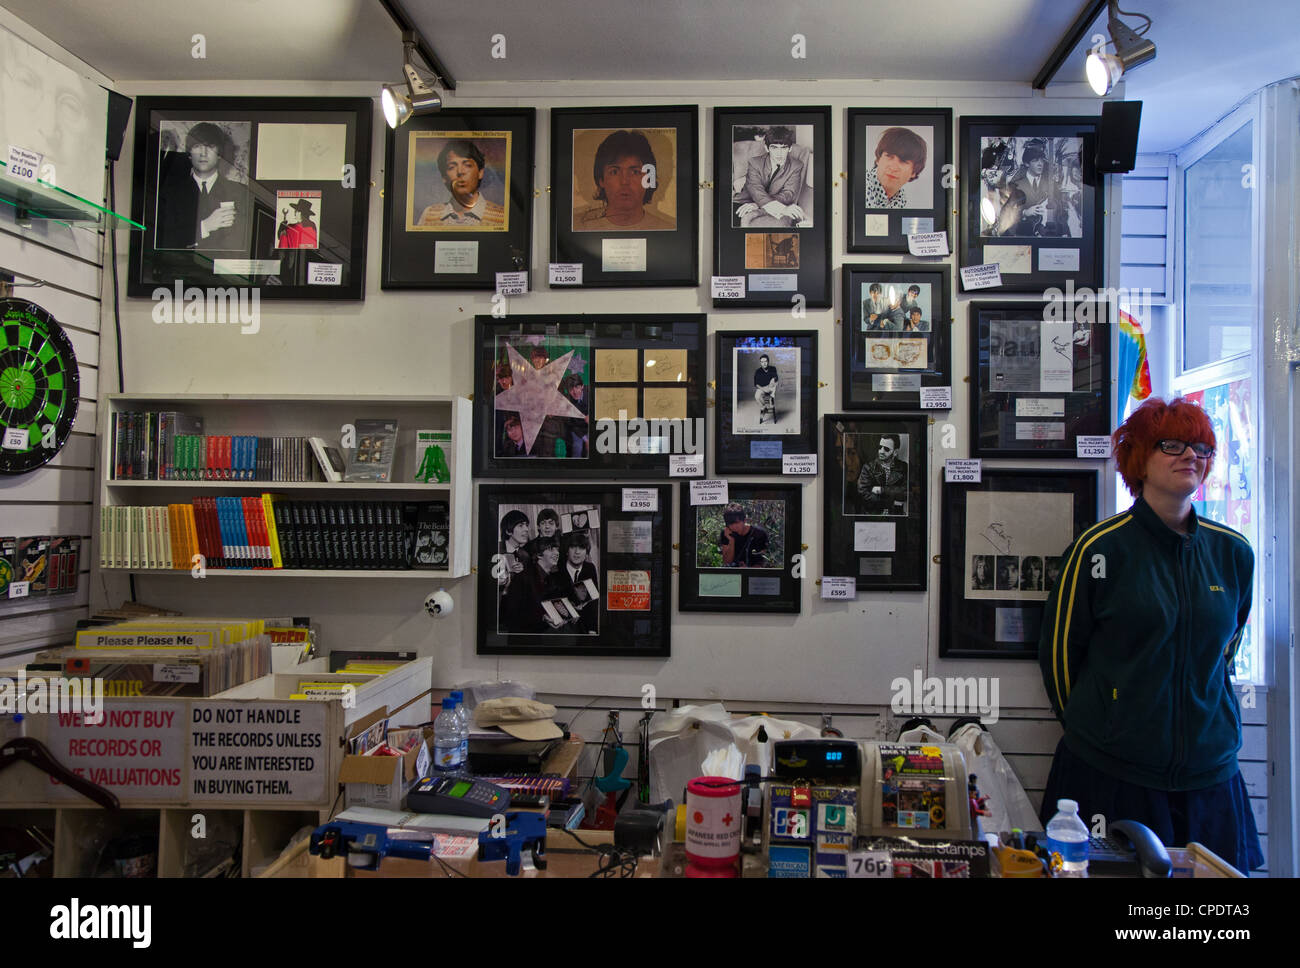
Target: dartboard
(38,386)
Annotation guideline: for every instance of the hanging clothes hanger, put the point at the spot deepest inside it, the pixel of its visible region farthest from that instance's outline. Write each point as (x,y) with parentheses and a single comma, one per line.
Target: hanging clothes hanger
(24,749)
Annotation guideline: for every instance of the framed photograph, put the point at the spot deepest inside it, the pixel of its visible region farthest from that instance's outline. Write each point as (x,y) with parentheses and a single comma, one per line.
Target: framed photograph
(766,399)
(898,160)
(458,198)
(624,201)
(1032,201)
(897,335)
(566,571)
(251,192)
(772,215)
(1003,542)
(873,503)
(587,396)
(1040,377)
(735,557)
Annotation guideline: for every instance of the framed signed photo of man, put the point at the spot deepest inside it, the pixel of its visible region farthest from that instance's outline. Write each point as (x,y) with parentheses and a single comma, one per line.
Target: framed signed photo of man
(624,201)
(251,192)
(736,557)
(1032,201)
(766,399)
(1003,545)
(873,503)
(566,571)
(458,198)
(900,174)
(771,176)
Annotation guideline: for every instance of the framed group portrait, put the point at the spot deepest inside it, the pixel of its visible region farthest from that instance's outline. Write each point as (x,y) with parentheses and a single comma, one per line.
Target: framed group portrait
(772,205)
(900,172)
(897,335)
(458,198)
(1040,377)
(1032,200)
(736,557)
(266,193)
(766,399)
(564,570)
(1004,541)
(874,500)
(624,199)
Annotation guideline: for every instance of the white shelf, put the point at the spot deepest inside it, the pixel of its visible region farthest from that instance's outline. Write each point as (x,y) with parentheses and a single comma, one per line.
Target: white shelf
(290,572)
(283,486)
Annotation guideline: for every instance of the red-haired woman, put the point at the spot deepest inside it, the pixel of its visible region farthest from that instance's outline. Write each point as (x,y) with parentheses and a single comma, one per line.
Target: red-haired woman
(1137,646)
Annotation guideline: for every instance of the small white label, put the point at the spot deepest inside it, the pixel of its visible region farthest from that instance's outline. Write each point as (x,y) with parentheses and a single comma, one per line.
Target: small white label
(423,761)
(981,277)
(15,438)
(936,398)
(622,255)
(686,465)
(24,164)
(324,274)
(962,471)
(245,267)
(728,287)
(869,863)
(839,589)
(799,464)
(1092,447)
(18,589)
(1058,260)
(455,258)
(928,243)
(768,282)
(512,283)
(640,499)
(1040,406)
(708,492)
(187,672)
(565,273)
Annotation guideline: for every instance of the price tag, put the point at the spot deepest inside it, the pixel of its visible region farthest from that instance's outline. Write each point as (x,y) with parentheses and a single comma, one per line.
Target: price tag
(686,465)
(565,273)
(870,863)
(839,589)
(928,243)
(640,499)
(981,277)
(185,672)
(512,283)
(324,274)
(1086,446)
(962,471)
(18,589)
(936,398)
(728,287)
(708,492)
(23,164)
(15,438)
(799,464)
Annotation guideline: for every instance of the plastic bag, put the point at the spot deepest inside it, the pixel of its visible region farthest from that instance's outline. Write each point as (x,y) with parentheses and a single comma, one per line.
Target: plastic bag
(1008,804)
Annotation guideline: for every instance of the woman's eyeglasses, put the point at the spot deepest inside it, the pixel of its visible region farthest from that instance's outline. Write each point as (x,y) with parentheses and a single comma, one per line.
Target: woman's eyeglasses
(1175,447)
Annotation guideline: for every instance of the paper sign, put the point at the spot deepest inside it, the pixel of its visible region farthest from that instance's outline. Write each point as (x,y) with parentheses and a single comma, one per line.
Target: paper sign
(686,465)
(981,277)
(565,273)
(257,752)
(962,471)
(24,164)
(1092,446)
(708,492)
(137,749)
(936,398)
(186,672)
(799,464)
(640,499)
(512,283)
(874,536)
(839,589)
(15,438)
(869,864)
(928,243)
(728,287)
(19,589)
(324,274)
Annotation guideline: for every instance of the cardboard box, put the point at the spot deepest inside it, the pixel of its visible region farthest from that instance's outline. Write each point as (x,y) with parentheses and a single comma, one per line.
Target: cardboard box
(382,781)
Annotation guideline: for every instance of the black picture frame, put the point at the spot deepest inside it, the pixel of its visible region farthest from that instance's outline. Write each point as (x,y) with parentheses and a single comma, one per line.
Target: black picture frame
(1041,249)
(894,516)
(662,248)
(1012,516)
(431,242)
(788,259)
(1025,420)
(615,359)
(268,148)
(631,557)
(925,208)
(740,444)
(893,379)
(765,582)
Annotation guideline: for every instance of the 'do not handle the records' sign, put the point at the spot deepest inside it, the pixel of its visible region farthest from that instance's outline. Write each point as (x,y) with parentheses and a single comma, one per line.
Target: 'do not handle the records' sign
(39,386)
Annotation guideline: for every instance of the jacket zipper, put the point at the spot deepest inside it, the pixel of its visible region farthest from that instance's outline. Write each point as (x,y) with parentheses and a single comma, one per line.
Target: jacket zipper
(1179,666)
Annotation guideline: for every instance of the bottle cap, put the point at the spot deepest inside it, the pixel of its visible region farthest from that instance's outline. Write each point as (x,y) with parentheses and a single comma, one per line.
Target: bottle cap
(449,703)
(1068,806)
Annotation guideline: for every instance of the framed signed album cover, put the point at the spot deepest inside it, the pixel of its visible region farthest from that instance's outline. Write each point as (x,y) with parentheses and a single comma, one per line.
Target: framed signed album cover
(900,173)
(766,399)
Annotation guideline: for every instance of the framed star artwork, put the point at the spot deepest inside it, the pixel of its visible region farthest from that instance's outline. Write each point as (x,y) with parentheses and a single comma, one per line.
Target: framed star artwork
(588,396)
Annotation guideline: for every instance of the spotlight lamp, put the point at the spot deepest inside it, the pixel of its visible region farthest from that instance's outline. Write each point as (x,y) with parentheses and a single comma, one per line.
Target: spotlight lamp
(416,97)
(1132,49)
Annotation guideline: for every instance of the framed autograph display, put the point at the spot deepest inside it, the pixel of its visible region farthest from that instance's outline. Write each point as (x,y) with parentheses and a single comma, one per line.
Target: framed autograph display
(270,193)
(625,202)
(458,198)
(1003,542)
(897,335)
(898,160)
(1040,377)
(766,399)
(565,570)
(735,557)
(772,215)
(1032,201)
(587,396)
(873,505)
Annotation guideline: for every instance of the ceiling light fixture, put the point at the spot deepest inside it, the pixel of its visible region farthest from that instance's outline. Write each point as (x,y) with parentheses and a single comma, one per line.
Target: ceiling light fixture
(1132,49)
(417,98)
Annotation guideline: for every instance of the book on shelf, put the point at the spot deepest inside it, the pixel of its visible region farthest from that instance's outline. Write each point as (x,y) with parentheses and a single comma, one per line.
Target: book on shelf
(329,459)
(433,456)
(372,458)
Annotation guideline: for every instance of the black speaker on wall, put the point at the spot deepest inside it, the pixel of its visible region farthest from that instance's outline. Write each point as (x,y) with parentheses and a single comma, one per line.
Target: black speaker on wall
(1117,140)
(119,112)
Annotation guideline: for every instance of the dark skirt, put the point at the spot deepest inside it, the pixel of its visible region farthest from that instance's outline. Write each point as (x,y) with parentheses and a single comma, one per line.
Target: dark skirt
(1217,817)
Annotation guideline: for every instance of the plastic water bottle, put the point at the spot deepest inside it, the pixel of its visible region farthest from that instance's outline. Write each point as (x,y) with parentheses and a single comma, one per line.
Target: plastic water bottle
(448,755)
(462,717)
(1068,836)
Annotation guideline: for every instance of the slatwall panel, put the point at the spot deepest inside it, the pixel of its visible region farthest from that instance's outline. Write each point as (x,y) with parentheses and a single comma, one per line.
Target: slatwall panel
(1146,246)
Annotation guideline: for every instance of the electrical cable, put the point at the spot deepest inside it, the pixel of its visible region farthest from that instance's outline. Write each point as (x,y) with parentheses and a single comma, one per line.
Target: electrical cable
(1128,13)
(613,860)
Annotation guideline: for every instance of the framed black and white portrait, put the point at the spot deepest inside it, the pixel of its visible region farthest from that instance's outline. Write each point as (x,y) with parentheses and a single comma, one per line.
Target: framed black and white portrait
(900,174)
(766,399)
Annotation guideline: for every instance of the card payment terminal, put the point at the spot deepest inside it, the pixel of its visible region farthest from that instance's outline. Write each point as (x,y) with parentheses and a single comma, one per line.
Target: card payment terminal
(461,796)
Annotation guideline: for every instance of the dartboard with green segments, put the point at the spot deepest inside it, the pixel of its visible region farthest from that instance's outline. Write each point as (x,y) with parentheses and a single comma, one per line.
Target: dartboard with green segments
(38,386)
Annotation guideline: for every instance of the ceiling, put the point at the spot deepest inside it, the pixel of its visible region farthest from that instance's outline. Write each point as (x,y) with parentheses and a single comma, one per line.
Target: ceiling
(1250,43)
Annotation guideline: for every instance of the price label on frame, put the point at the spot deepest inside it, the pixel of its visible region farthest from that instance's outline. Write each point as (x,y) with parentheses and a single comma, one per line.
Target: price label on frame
(728,287)
(839,589)
(640,499)
(565,273)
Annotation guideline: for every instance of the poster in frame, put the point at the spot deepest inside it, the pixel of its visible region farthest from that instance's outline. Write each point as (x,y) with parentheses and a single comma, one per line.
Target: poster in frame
(772,205)
(1033,201)
(251,192)
(874,519)
(458,198)
(766,399)
(897,335)
(1003,542)
(564,570)
(737,557)
(900,174)
(1040,377)
(625,201)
